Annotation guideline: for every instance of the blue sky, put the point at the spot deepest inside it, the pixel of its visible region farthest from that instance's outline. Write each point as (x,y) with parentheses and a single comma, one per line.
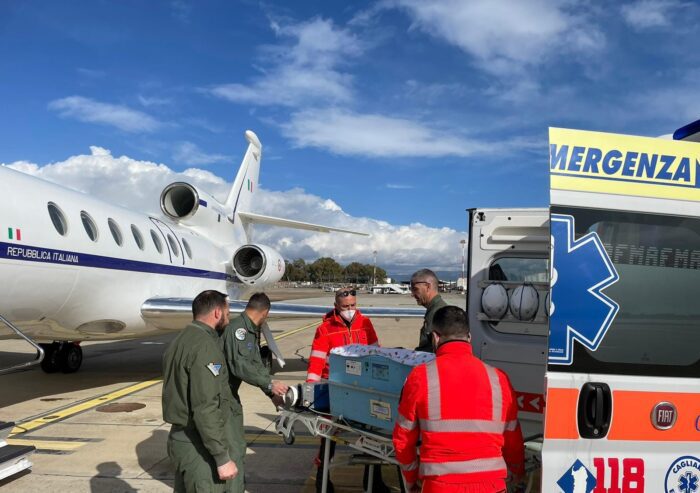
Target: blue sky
(402,111)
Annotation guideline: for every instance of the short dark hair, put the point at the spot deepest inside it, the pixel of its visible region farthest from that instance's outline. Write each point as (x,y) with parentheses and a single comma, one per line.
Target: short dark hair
(206,301)
(451,322)
(258,302)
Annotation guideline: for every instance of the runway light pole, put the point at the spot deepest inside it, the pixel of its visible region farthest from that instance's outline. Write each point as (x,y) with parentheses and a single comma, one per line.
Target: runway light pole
(463,242)
(374,271)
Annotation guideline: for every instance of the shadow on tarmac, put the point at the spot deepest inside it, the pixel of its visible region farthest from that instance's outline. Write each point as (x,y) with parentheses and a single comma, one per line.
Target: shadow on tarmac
(107,479)
(155,447)
(103,364)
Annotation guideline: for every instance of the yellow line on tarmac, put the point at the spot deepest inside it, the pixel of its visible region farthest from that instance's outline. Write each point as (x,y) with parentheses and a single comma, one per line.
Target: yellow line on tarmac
(60,415)
(292,332)
(253,439)
(47,444)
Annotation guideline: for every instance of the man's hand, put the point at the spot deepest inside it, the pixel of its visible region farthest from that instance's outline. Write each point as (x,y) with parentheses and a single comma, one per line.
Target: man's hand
(279,388)
(227,471)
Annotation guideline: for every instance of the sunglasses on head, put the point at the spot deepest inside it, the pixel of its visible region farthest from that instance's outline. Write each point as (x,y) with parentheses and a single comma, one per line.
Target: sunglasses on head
(344,294)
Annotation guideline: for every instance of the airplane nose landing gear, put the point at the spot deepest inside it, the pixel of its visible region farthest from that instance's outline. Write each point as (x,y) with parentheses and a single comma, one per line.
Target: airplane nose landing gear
(64,356)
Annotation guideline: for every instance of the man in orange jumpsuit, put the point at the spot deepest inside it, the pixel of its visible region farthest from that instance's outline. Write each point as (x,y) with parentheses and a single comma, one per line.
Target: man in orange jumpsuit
(464,413)
(341,326)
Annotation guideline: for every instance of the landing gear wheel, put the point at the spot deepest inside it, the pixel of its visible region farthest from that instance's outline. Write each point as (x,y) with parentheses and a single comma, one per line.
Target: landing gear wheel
(71,357)
(52,361)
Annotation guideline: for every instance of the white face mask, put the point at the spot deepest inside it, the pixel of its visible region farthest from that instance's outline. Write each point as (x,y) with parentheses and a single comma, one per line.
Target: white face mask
(348,315)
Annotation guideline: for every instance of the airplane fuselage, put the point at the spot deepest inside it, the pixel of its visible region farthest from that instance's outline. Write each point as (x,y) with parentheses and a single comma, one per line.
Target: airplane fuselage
(74,267)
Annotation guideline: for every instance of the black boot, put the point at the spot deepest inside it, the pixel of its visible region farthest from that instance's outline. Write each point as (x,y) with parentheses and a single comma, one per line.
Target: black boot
(378,485)
(319,481)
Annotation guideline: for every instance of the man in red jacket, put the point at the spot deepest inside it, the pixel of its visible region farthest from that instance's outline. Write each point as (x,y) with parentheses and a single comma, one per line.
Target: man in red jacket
(465,414)
(341,326)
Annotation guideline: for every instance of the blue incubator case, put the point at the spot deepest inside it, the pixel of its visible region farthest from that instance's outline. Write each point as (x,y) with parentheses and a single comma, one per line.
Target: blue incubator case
(365,382)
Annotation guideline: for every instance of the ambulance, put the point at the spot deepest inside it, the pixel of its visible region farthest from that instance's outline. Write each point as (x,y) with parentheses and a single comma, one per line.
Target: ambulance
(592,307)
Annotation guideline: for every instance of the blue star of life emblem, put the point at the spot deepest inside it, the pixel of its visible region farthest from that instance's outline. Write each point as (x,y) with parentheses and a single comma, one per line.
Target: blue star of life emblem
(577,479)
(688,483)
(581,269)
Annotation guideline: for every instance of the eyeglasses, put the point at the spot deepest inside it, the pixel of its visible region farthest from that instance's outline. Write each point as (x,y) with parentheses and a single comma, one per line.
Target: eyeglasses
(345,294)
(414,284)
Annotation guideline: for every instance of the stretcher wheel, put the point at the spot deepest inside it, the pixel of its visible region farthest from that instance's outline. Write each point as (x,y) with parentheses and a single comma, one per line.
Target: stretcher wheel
(289,439)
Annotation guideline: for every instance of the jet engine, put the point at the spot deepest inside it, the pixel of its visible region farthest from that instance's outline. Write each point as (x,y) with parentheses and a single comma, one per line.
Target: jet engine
(258,265)
(186,204)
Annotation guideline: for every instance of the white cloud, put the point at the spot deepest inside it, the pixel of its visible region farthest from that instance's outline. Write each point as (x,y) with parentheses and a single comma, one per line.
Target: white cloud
(137,185)
(505,36)
(399,186)
(304,68)
(647,14)
(153,101)
(91,111)
(190,154)
(347,133)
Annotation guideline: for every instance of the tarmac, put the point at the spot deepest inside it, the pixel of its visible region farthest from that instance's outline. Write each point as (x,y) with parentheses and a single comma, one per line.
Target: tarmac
(102,430)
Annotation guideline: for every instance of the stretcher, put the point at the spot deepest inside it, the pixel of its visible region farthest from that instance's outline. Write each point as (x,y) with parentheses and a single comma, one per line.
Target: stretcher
(370,443)
(377,444)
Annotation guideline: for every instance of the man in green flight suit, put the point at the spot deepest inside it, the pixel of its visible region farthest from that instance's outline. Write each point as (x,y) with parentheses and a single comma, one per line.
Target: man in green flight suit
(197,400)
(424,288)
(241,345)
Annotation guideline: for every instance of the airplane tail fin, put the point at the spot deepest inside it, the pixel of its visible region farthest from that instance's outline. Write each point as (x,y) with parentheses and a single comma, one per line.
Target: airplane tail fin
(245,185)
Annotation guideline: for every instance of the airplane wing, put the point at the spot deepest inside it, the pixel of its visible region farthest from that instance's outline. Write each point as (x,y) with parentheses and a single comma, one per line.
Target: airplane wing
(175,313)
(251,218)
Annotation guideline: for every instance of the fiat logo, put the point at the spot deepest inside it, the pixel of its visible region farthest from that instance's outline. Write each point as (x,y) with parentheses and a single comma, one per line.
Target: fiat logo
(663,416)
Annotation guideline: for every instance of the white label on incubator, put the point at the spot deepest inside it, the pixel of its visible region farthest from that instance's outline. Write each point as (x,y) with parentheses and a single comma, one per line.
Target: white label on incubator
(380,410)
(353,367)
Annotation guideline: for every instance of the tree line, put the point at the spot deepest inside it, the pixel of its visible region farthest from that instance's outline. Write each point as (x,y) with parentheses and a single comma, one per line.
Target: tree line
(328,270)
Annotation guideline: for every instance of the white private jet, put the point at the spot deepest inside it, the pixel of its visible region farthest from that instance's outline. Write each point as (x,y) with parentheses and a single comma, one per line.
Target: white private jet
(77,268)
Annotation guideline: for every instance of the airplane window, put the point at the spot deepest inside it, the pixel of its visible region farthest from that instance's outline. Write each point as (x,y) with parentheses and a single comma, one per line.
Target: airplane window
(156,241)
(137,236)
(89,225)
(173,245)
(116,232)
(58,219)
(187,248)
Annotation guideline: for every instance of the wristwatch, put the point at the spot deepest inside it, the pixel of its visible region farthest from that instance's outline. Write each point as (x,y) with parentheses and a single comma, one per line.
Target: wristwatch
(269,388)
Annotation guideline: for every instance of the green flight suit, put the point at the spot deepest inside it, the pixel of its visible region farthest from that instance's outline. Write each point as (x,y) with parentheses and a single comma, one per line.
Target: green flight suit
(426,342)
(241,345)
(197,401)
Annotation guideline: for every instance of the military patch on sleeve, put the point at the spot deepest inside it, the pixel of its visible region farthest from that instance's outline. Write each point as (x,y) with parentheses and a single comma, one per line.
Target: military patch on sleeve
(215,368)
(240,334)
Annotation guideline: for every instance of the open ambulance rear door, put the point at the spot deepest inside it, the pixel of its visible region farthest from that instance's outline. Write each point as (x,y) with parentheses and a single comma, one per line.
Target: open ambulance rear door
(623,367)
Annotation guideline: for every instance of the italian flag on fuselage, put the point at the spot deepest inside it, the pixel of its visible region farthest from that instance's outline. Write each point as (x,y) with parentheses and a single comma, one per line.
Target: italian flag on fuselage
(14,234)
(250,185)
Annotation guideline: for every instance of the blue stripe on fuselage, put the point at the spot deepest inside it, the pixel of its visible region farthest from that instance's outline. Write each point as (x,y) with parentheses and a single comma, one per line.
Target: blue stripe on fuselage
(29,253)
